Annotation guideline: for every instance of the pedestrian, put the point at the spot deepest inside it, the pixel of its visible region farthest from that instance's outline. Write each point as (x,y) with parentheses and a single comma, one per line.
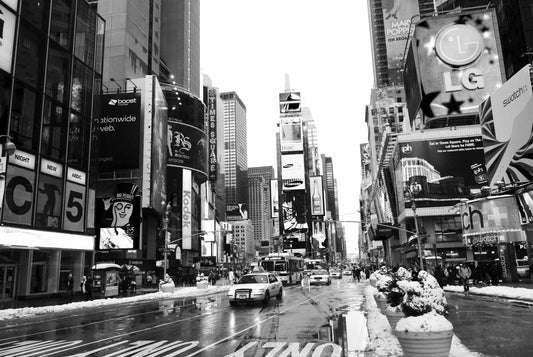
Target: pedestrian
(477,273)
(231,277)
(70,286)
(82,285)
(464,273)
(439,275)
(89,287)
(495,272)
(149,280)
(211,278)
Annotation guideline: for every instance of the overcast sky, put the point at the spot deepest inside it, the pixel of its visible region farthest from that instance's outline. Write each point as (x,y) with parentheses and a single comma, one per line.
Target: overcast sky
(248,46)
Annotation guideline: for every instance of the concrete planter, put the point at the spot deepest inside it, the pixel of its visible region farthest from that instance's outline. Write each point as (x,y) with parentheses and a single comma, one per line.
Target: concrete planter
(167,288)
(393,317)
(381,302)
(425,344)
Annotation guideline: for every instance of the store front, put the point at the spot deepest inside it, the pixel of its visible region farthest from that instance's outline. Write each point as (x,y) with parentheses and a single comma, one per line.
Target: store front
(36,263)
(491,230)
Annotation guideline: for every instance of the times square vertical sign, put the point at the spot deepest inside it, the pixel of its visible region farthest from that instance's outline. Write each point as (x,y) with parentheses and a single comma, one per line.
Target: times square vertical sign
(212,120)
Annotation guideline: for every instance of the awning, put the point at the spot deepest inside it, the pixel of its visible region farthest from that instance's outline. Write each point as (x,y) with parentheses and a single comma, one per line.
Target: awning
(19,238)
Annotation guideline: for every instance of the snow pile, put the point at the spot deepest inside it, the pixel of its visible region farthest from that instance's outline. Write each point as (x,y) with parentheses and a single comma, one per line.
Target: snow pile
(429,322)
(178,293)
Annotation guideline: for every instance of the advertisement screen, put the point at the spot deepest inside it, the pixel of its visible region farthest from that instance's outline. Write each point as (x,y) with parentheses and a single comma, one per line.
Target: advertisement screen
(291,134)
(237,212)
(459,57)
(293,171)
(49,198)
(118,130)
(456,160)
(274,199)
(187,148)
(212,128)
(413,91)
(289,102)
(294,212)
(18,196)
(119,219)
(74,210)
(317,196)
(397,15)
(158,160)
(506,127)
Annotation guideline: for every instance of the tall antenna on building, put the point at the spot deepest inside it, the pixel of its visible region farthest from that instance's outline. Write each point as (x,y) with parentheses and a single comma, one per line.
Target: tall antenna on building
(287,83)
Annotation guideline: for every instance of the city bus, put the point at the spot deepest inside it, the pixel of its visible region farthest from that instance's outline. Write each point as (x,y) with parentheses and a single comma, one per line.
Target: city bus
(288,268)
(310,264)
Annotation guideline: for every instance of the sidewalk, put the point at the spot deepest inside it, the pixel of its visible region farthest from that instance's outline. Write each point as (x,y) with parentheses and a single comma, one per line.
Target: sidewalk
(61,299)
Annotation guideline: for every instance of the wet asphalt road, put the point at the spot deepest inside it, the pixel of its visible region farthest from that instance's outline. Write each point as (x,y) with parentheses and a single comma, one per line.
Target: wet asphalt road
(307,320)
(492,326)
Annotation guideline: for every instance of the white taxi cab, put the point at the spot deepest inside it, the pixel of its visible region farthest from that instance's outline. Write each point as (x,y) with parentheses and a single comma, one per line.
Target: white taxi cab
(255,287)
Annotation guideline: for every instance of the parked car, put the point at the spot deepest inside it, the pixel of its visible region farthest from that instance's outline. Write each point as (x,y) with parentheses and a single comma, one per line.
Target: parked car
(347,272)
(335,274)
(319,276)
(255,287)
(522,268)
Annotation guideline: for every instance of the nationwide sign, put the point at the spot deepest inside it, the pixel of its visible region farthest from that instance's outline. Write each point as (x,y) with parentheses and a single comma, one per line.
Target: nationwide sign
(119,131)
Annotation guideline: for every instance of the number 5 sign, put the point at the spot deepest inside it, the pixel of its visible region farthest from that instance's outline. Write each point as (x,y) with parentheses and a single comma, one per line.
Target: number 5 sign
(74,209)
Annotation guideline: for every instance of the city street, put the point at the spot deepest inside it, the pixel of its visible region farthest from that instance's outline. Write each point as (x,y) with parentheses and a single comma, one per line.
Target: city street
(492,326)
(308,319)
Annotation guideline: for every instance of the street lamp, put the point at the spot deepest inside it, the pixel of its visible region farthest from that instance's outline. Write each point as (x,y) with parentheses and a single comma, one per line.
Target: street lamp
(414,189)
(164,231)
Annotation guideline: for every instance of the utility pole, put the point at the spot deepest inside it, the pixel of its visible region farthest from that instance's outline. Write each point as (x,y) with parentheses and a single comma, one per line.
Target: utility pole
(166,238)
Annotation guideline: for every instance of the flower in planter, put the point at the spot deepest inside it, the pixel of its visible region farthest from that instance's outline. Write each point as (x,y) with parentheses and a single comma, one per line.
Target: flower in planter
(393,291)
(424,305)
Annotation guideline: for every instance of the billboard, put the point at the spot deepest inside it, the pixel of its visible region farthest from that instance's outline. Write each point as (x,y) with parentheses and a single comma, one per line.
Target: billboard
(291,134)
(119,219)
(506,128)
(7,43)
(212,127)
(274,199)
(459,55)
(186,210)
(293,172)
(187,148)
(459,160)
(317,196)
(411,80)
(294,211)
(397,15)
(119,131)
(289,102)
(237,212)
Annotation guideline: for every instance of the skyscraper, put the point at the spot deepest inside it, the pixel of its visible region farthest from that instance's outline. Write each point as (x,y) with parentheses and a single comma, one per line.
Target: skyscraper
(259,205)
(180,43)
(236,148)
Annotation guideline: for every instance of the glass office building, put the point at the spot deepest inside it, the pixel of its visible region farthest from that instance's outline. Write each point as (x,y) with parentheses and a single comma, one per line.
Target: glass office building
(50,74)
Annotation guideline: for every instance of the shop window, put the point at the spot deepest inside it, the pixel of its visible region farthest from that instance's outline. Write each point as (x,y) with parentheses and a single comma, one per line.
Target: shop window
(39,272)
(68,261)
(448,229)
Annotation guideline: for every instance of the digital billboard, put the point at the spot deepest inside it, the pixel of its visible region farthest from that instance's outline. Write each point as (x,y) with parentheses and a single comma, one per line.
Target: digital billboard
(119,219)
(274,199)
(397,17)
(317,196)
(236,212)
(459,160)
(293,171)
(187,148)
(158,156)
(411,80)
(459,57)
(212,128)
(294,211)
(119,131)
(289,102)
(507,127)
(291,134)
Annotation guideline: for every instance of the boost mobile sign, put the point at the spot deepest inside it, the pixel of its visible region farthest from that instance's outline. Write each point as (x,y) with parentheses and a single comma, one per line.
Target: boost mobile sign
(118,131)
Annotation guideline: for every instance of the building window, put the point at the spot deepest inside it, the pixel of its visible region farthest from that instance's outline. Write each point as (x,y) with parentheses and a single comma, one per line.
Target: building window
(448,229)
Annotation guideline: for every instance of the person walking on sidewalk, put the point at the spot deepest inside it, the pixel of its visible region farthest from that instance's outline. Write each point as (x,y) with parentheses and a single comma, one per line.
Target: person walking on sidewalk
(231,277)
(464,273)
(70,286)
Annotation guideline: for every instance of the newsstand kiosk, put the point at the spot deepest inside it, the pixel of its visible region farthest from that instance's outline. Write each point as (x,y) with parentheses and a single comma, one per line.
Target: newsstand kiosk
(105,280)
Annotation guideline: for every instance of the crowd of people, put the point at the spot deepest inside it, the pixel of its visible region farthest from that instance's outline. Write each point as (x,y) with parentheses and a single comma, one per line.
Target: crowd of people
(486,273)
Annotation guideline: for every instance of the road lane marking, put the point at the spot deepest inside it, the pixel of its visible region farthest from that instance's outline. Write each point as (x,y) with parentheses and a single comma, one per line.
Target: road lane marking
(254,325)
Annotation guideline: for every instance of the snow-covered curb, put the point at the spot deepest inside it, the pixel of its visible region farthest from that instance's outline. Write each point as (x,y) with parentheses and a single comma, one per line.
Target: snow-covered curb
(25,312)
(496,291)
